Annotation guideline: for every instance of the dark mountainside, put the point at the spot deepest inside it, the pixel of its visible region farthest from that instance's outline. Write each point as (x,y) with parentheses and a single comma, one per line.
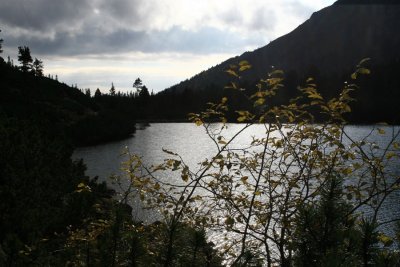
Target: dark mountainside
(327,46)
(83,119)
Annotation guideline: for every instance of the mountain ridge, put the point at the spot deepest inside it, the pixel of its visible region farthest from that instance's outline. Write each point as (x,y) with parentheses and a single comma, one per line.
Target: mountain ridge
(333,39)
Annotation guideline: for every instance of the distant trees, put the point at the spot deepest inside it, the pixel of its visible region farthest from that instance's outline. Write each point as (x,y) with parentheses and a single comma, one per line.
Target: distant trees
(37,67)
(25,58)
(1,46)
(144,93)
(87,92)
(138,84)
(112,90)
(97,93)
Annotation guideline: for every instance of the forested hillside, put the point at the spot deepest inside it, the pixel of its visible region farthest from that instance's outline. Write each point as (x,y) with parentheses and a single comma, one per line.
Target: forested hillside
(327,47)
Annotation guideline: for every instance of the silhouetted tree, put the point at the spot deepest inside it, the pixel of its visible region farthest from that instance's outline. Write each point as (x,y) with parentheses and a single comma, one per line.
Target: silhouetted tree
(1,46)
(144,93)
(37,67)
(138,84)
(112,90)
(25,58)
(97,93)
(87,92)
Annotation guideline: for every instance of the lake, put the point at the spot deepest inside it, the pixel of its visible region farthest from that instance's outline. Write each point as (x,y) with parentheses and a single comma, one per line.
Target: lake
(193,144)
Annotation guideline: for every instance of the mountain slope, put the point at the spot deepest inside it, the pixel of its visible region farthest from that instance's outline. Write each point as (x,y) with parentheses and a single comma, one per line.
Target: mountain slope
(328,45)
(85,120)
(334,39)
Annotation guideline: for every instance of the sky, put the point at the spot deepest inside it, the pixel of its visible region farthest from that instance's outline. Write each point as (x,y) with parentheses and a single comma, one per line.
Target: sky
(93,43)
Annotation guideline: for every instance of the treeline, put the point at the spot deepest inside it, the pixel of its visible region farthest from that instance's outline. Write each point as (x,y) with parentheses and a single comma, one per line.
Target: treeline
(375,102)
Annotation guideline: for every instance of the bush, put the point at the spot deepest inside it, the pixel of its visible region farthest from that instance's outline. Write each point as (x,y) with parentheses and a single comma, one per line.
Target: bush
(298,178)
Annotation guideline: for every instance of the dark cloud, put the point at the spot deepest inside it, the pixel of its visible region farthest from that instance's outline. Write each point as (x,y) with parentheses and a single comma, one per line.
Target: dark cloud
(204,41)
(42,15)
(79,27)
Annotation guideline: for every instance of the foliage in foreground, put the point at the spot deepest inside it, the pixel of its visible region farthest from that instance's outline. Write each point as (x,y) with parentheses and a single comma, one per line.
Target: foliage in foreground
(51,214)
(293,196)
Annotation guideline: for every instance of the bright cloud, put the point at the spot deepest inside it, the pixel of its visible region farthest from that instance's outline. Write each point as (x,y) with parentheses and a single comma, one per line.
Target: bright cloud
(166,41)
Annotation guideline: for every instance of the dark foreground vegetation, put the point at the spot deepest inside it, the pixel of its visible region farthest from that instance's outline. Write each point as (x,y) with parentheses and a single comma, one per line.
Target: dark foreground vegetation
(51,213)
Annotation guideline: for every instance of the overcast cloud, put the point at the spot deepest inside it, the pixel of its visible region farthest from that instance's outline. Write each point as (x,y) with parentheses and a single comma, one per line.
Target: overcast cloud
(123,28)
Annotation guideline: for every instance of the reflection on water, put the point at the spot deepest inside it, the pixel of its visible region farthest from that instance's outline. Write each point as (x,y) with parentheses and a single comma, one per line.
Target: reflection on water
(193,144)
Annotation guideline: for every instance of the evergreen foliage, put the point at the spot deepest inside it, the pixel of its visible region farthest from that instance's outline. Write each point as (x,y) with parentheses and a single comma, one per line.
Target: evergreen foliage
(25,58)
(37,67)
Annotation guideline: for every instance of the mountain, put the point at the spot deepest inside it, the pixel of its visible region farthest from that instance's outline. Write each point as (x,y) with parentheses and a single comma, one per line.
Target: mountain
(328,45)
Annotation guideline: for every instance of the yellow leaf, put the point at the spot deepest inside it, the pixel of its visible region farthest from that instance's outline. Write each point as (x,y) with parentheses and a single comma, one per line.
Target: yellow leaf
(347,171)
(185,177)
(241,119)
(198,122)
(232,72)
(243,63)
(381,131)
(259,102)
(396,145)
(391,155)
(243,68)
(315,96)
(364,71)
(157,186)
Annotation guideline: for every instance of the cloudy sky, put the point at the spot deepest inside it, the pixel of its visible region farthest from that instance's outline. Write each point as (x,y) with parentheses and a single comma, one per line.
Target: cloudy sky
(92,43)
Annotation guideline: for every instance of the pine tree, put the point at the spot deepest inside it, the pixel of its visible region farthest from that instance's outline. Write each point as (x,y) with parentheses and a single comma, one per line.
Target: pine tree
(138,84)
(37,67)
(97,93)
(112,90)
(1,46)
(25,58)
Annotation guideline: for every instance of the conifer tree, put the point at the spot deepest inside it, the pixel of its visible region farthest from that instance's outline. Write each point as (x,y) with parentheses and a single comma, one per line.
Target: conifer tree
(1,46)
(112,90)
(25,58)
(37,67)
(97,93)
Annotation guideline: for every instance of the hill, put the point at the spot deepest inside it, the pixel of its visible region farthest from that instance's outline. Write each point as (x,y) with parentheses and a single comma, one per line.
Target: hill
(85,120)
(327,46)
